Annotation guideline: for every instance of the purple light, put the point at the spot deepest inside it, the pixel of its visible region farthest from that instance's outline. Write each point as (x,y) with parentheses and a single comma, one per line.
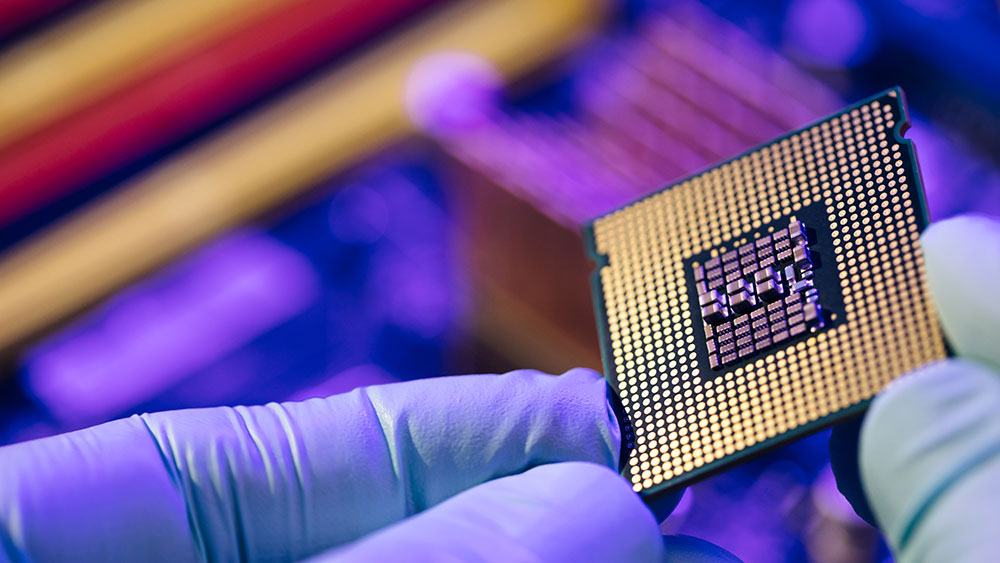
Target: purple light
(830,502)
(955,179)
(941,9)
(452,92)
(359,215)
(162,330)
(828,33)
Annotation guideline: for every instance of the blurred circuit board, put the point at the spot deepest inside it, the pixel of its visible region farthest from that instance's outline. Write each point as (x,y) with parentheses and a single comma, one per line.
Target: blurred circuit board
(358,287)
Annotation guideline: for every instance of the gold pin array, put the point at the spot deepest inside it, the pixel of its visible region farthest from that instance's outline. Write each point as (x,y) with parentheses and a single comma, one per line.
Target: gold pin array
(684,420)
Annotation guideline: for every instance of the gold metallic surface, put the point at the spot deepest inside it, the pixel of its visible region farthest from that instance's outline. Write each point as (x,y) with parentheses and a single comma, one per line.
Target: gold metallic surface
(684,420)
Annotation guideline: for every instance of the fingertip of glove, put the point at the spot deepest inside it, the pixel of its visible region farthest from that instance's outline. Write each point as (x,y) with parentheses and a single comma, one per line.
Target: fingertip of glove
(619,507)
(960,253)
(597,480)
(959,229)
(956,249)
(614,429)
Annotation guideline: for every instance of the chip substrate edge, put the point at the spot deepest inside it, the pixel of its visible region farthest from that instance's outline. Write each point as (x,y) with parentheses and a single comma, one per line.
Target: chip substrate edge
(892,96)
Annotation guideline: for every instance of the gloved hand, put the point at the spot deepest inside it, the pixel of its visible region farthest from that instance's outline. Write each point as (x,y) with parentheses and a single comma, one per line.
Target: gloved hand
(286,481)
(929,452)
(467,456)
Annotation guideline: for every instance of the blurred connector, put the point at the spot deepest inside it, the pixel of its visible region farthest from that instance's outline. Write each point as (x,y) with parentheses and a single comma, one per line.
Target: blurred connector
(448,94)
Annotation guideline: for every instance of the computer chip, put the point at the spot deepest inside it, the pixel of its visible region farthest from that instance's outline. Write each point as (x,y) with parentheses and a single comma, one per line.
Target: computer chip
(766,297)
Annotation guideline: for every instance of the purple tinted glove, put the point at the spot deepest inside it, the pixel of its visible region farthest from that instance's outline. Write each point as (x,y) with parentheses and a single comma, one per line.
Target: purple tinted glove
(287,481)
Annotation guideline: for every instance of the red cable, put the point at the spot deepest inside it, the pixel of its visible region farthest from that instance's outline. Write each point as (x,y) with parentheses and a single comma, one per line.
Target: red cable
(165,103)
(15,14)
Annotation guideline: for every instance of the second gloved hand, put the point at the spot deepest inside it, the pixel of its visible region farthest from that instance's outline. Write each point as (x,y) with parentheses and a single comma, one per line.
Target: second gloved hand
(929,449)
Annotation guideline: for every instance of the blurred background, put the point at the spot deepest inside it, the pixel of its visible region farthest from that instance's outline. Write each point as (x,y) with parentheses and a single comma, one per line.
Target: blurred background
(208,202)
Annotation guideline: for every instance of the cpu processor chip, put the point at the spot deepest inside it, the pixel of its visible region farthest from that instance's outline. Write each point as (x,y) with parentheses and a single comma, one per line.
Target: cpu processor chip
(766,297)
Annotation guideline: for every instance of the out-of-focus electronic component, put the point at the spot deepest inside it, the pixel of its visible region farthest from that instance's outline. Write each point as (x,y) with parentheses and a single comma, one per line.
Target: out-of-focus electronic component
(766,297)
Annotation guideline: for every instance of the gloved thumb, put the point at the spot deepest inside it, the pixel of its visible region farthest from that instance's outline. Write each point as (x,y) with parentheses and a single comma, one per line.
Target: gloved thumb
(571,511)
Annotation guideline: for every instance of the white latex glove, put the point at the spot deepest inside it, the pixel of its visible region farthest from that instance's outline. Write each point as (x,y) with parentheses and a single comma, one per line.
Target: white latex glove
(929,452)
(287,481)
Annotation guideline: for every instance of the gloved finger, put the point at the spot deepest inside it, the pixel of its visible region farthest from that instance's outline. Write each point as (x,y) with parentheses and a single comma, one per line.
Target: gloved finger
(101,494)
(930,463)
(960,253)
(558,512)
(290,480)
(963,260)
